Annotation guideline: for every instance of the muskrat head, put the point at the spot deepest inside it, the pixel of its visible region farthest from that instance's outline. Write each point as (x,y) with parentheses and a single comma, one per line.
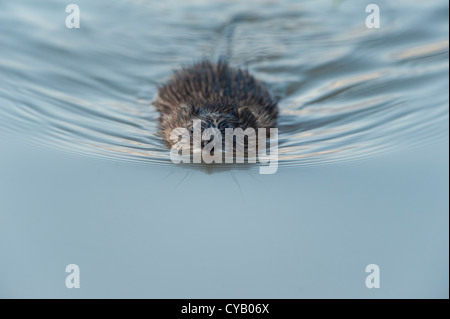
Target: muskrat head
(207,125)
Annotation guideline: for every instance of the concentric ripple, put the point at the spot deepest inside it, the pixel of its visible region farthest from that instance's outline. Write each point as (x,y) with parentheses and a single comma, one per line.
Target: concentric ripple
(347,92)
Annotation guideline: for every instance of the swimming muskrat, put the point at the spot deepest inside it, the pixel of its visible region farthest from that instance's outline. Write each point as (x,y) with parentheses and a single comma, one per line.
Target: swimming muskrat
(217,94)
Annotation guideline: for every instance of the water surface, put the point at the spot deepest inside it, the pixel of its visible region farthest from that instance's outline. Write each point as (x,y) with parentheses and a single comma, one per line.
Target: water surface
(85,178)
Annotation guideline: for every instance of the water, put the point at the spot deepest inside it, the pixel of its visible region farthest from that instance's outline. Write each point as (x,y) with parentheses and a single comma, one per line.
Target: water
(363,176)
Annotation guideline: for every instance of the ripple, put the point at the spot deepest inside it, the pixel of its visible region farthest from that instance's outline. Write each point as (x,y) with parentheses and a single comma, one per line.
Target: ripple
(344,95)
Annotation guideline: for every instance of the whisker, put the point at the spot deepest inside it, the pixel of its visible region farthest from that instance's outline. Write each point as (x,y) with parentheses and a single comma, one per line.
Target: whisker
(239,186)
(164,178)
(254,177)
(183,179)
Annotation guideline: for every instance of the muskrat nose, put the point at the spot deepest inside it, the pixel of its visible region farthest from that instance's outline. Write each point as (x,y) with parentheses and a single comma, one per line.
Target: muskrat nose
(214,137)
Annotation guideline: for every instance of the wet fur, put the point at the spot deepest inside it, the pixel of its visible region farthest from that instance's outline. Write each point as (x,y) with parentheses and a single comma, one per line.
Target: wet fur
(220,95)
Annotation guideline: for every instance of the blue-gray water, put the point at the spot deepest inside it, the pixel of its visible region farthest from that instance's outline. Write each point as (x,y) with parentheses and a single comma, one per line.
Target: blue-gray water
(363,178)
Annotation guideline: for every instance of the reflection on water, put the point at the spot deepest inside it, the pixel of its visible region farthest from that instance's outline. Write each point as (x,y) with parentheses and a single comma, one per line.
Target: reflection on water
(158,230)
(346,91)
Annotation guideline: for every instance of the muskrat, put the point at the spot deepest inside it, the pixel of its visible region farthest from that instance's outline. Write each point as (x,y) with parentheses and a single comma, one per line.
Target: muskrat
(217,94)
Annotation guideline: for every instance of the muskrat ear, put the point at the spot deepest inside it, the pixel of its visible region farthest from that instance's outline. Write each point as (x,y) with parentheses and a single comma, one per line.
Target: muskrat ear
(189,108)
(247,117)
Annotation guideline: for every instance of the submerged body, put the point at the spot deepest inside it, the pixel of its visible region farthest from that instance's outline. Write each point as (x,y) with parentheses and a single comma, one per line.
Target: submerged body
(216,94)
